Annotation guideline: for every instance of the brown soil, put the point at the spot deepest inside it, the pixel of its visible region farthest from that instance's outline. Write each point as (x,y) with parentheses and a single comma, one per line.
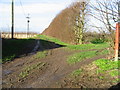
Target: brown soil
(53,74)
(54,69)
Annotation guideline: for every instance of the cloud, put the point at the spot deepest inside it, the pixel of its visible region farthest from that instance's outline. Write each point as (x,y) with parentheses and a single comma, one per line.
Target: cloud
(44,8)
(4,8)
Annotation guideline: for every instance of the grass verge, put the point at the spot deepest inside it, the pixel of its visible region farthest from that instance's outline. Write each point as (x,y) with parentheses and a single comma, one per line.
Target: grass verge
(73,47)
(77,57)
(81,56)
(88,46)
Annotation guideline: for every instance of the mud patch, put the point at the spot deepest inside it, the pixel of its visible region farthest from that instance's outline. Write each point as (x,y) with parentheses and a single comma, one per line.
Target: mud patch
(7,72)
(25,76)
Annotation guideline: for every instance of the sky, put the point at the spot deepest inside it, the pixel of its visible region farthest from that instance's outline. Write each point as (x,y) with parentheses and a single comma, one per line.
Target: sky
(42,12)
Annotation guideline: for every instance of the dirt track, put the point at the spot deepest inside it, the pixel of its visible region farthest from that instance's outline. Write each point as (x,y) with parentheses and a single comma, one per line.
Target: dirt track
(54,70)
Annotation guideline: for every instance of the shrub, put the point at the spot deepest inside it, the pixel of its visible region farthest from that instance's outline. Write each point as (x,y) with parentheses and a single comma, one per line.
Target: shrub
(98,41)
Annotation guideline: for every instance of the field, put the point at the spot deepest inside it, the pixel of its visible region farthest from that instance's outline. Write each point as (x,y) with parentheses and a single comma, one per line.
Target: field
(56,64)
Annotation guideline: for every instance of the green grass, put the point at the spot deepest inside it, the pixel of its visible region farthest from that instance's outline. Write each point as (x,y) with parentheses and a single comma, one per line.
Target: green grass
(77,57)
(40,55)
(12,48)
(76,72)
(74,47)
(101,77)
(48,38)
(104,52)
(105,65)
(88,46)
(28,69)
(0,60)
(114,73)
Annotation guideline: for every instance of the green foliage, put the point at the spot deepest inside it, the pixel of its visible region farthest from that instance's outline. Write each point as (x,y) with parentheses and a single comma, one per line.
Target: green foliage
(0,60)
(81,56)
(117,79)
(76,72)
(107,65)
(97,41)
(40,55)
(28,69)
(114,73)
(8,58)
(101,77)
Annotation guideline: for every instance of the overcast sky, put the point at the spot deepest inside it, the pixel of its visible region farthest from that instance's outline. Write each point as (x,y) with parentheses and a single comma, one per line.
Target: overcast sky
(42,12)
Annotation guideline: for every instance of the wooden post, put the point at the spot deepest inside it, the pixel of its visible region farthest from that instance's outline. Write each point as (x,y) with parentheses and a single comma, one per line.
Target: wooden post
(12,28)
(117,38)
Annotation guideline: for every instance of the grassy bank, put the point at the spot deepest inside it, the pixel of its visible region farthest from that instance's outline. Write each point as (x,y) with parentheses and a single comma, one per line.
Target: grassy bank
(16,47)
(48,38)
(73,47)
(77,57)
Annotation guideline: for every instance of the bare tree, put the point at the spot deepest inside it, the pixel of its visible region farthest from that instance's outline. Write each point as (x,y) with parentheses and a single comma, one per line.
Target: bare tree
(105,11)
(79,16)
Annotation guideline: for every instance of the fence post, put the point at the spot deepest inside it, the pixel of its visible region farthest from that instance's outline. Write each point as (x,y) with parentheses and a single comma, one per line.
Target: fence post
(117,41)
